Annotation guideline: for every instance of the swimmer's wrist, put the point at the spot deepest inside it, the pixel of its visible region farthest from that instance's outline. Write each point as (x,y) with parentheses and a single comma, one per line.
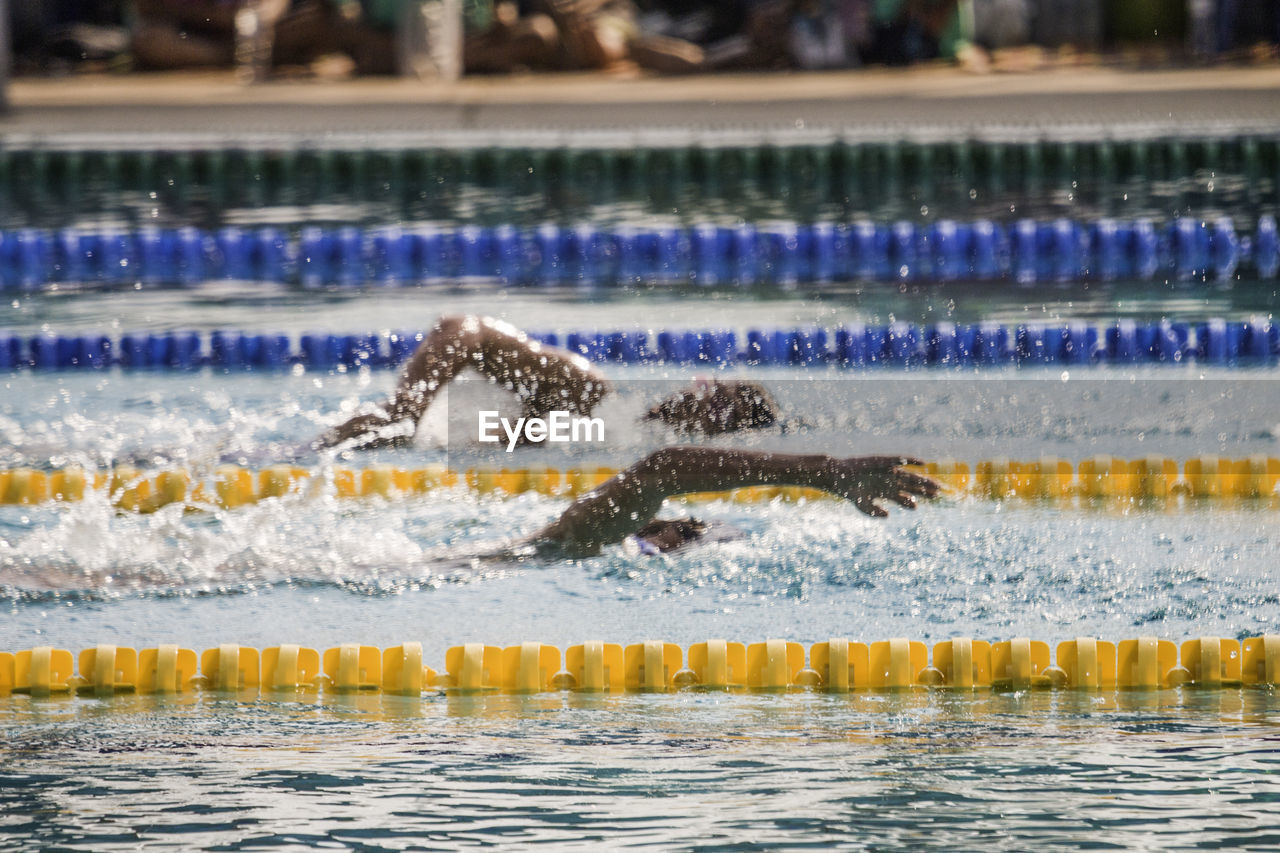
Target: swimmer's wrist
(816,471)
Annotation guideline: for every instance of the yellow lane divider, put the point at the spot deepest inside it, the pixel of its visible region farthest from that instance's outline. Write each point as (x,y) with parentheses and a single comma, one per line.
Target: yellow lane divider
(837,665)
(1047,478)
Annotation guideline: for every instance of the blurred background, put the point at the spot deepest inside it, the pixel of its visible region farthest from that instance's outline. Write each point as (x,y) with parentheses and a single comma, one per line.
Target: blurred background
(343,38)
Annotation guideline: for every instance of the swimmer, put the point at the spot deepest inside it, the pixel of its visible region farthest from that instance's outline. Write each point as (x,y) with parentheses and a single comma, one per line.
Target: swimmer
(626,505)
(544,379)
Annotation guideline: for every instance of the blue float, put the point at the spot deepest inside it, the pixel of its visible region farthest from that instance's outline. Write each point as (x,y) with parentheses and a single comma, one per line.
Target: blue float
(1189,249)
(477,255)
(1122,343)
(830,252)
(782,254)
(314,257)
(899,344)
(871,252)
(77,255)
(1266,247)
(1080,343)
(672,255)
(135,351)
(992,345)
(759,347)
(745,255)
(360,351)
(224,351)
(11,356)
(157,257)
(349,259)
(671,348)
(990,256)
(1224,249)
(905,347)
(273,256)
(942,344)
(1255,341)
(264,351)
(44,352)
(509,255)
(904,252)
(549,244)
(875,344)
(1026,252)
(319,351)
(191,257)
(711,245)
(1145,250)
(951,244)
(1108,249)
(236,249)
(1067,252)
(1212,342)
(391,257)
(1035,345)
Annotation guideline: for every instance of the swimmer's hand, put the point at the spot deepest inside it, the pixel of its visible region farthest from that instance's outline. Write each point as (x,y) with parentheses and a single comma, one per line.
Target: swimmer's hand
(367,432)
(863,480)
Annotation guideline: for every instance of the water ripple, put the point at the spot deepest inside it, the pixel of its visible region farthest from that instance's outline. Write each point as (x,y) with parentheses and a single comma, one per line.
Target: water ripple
(690,772)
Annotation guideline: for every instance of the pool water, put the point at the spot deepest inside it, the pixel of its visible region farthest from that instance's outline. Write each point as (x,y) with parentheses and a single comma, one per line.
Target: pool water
(1174,769)
(686,772)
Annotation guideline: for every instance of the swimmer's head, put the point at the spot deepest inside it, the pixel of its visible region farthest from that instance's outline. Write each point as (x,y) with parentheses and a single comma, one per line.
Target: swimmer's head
(713,407)
(670,534)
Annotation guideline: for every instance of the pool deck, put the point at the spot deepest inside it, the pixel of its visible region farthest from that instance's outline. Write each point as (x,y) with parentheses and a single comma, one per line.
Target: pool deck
(931,100)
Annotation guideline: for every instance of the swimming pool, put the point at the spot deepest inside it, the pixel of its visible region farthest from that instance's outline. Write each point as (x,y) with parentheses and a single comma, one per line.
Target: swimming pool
(695,771)
(915,769)
(698,770)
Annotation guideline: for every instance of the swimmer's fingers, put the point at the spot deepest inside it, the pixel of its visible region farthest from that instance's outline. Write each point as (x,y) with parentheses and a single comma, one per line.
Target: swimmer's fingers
(868,507)
(864,480)
(917,484)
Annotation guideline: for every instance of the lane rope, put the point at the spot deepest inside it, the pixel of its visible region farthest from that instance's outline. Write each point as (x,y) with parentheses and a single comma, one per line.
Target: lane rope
(1217,342)
(777,254)
(594,166)
(836,665)
(1151,478)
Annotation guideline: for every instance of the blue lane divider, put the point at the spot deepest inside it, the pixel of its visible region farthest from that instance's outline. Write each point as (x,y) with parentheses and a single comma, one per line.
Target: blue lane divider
(778,254)
(857,345)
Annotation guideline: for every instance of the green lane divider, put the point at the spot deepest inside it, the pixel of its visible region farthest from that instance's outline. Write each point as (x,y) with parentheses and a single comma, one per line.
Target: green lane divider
(38,182)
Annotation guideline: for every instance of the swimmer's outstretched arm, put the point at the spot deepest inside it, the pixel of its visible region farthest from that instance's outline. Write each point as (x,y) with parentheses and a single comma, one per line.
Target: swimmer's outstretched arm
(617,508)
(494,349)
